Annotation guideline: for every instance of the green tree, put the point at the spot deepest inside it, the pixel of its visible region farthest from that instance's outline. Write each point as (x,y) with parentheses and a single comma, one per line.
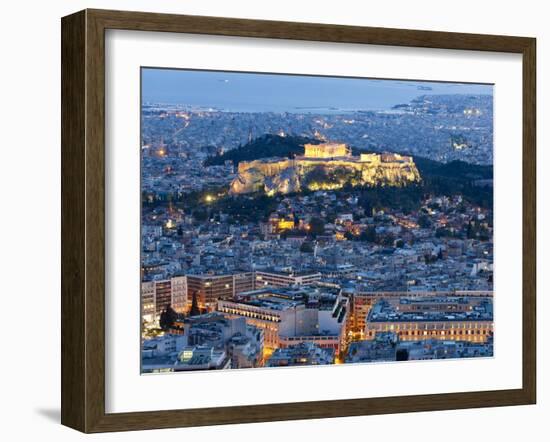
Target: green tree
(369,235)
(316,227)
(200,214)
(350,236)
(388,240)
(195,310)
(402,354)
(424,221)
(167,317)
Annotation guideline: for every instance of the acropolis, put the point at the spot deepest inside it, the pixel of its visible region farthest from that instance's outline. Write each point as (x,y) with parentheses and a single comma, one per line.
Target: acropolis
(326,166)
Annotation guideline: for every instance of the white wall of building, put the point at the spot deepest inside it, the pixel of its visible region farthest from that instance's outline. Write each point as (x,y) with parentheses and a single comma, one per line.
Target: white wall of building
(179,293)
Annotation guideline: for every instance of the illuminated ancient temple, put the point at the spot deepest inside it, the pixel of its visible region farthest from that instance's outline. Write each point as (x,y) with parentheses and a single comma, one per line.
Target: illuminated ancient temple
(326,150)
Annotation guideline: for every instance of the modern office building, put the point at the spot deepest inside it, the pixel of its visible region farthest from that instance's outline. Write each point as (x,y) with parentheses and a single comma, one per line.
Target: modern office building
(157,295)
(163,295)
(282,277)
(179,300)
(292,315)
(148,308)
(210,288)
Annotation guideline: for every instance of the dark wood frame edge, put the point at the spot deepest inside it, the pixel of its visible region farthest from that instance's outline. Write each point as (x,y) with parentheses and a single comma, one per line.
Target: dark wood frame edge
(83,215)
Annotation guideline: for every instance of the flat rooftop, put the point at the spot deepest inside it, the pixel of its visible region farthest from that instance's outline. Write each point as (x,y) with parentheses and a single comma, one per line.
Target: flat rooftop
(288,272)
(274,301)
(385,311)
(271,302)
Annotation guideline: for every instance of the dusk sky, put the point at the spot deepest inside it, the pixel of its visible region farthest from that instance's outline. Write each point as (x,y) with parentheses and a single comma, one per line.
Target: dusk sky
(279,93)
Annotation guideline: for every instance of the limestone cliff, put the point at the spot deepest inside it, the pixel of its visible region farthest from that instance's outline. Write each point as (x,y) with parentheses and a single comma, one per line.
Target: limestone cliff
(317,170)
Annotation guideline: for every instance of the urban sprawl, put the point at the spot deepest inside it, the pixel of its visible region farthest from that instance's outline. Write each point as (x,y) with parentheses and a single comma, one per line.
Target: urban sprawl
(303,238)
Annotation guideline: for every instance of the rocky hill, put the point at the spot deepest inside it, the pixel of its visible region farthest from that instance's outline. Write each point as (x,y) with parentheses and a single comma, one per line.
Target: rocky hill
(317,169)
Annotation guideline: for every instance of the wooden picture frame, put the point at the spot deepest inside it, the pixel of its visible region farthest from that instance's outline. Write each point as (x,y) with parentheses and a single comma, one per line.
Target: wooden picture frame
(83,220)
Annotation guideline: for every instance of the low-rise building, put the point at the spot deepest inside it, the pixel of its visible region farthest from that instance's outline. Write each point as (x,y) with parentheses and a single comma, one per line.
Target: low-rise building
(163,346)
(243,343)
(306,353)
(441,317)
(381,348)
(202,357)
(246,352)
(438,349)
(387,347)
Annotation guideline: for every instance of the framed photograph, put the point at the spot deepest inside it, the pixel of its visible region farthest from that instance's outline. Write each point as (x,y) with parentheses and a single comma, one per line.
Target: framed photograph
(266,221)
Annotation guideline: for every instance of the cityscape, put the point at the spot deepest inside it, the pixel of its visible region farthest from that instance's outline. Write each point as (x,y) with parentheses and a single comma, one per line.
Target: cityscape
(292,220)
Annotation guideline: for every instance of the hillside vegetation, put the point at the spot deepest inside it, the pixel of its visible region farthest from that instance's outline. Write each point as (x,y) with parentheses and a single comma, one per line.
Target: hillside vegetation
(265,146)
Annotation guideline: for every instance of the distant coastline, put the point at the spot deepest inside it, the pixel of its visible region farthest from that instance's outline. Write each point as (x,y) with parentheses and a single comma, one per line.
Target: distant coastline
(262,108)
(259,92)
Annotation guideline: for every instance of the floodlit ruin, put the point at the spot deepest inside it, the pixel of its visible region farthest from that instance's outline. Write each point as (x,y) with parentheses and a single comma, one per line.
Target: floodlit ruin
(327,166)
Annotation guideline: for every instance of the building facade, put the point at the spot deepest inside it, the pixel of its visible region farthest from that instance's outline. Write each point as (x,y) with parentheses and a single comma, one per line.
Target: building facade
(209,289)
(363,301)
(292,316)
(444,318)
(157,295)
(285,277)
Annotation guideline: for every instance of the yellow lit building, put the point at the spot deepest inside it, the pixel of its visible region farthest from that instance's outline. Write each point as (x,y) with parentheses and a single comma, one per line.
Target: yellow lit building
(363,301)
